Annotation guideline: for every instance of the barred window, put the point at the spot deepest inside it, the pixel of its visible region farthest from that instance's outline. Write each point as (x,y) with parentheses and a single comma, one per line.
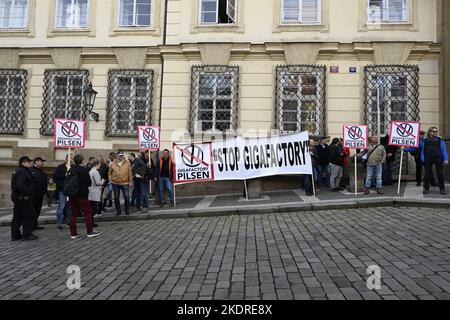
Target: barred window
(301,99)
(398,88)
(301,11)
(135,13)
(72,13)
(13,14)
(387,11)
(214,97)
(63,96)
(13,87)
(129,101)
(218,11)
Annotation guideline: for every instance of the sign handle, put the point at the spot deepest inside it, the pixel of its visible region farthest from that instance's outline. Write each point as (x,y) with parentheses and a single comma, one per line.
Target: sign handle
(246,191)
(174,195)
(356,173)
(313,184)
(68,159)
(400,171)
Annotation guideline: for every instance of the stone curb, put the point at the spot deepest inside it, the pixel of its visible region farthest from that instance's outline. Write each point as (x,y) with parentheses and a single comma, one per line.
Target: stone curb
(265,209)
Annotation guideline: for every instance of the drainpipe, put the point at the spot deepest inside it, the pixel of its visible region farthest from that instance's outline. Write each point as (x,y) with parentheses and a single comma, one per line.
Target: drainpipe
(162,60)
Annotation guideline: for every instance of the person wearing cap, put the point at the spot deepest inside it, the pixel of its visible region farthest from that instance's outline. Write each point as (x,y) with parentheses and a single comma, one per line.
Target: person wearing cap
(120,176)
(21,190)
(39,181)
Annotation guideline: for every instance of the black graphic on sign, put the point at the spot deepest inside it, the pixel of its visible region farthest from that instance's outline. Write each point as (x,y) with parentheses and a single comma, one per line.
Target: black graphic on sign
(149,134)
(355,133)
(192,156)
(405,130)
(69,129)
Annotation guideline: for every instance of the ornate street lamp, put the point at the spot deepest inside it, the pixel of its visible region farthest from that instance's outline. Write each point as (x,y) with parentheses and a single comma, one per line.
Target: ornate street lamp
(89,98)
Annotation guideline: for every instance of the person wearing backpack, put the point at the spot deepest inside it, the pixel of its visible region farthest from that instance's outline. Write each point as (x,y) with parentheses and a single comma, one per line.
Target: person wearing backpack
(76,187)
(434,152)
(21,190)
(375,156)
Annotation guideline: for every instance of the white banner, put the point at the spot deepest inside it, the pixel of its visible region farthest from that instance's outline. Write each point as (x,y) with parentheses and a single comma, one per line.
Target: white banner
(193,162)
(242,159)
(69,133)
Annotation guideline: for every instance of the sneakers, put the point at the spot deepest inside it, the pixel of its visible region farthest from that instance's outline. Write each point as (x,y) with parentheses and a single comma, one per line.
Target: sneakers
(93,234)
(418,184)
(30,237)
(16,239)
(38,228)
(366,191)
(426,191)
(380,191)
(443,192)
(60,228)
(172,205)
(74,237)
(335,190)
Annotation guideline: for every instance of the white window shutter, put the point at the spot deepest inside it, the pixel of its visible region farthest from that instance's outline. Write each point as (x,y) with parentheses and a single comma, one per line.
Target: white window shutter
(397,10)
(310,11)
(231,10)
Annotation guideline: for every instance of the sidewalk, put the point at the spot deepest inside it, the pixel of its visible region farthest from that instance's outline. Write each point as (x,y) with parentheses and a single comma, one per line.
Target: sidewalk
(270,202)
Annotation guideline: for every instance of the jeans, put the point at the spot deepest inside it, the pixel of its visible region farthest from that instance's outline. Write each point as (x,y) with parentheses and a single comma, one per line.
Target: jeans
(77,204)
(137,193)
(374,171)
(62,203)
(144,193)
(165,182)
(126,195)
(324,169)
(335,176)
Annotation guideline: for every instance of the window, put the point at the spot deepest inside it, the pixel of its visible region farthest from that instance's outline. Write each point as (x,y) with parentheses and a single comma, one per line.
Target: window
(13,14)
(301,11)
(63,96)
(218,11)
(398,89)
(72,14)
(135,13)
(214,98)
(301,99)
(129,101)
(387,11)
(13,87)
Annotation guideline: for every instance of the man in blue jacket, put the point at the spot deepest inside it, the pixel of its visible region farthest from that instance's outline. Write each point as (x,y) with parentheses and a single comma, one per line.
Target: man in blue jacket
(433,152)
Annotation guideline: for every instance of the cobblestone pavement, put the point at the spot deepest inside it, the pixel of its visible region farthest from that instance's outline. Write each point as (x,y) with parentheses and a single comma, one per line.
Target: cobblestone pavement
(305,255)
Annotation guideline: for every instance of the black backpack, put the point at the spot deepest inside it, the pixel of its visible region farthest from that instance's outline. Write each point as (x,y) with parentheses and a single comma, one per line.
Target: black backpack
(71,188)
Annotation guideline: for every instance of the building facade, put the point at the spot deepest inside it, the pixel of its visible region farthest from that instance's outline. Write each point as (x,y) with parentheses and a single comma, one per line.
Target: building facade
(201,69)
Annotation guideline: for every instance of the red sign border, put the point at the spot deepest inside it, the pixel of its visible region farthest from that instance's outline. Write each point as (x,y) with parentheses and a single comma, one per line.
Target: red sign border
(64,147)
(403,145)
(175,181)
(159,138)
(358,125)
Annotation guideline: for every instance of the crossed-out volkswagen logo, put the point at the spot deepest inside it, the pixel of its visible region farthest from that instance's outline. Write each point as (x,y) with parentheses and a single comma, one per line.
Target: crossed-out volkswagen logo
(405,130)
(192,156)
(355,133)
(149,134)
(69,129)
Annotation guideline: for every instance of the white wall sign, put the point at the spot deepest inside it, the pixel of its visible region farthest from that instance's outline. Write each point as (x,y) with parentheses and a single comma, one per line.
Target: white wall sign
(148,137)
(69,133)
(404,134)
(355,136)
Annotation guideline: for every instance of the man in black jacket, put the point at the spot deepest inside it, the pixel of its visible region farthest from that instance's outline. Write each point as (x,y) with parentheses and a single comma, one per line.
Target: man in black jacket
(63,209)
(323,162)
(39,181)
(390,158)
(138,172)
(21,190)
(336,165)
(80,201)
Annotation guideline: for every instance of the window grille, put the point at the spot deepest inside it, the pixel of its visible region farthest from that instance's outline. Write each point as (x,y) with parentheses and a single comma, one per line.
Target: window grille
(13,90)
(214,98)
(398,88)
(301,98)
(129,101)
(63,96)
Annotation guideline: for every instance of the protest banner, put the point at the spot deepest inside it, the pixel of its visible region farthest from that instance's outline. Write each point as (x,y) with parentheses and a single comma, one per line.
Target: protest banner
(193,163)
(355,136)
(404,134)
(148,138)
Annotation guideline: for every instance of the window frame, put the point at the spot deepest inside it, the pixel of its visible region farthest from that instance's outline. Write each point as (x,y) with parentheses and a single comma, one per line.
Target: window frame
(198,27)
(14,100)
(319,98)
(49,104)
(196,97)
(134,25)
(300,21)
(78,27)
(114,75)
(27,18)
(389,22)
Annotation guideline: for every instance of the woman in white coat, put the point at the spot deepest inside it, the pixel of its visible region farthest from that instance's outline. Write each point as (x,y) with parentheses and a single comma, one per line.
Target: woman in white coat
(95,190)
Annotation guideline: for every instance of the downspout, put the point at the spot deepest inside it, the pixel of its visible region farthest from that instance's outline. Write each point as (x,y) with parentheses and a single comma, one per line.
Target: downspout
(162,61)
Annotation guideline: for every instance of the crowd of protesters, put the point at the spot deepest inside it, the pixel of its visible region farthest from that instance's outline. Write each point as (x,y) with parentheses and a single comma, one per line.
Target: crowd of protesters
(330,163)
(87,187)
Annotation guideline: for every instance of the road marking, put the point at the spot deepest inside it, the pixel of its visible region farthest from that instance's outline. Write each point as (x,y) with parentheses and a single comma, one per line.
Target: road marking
(205,202)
